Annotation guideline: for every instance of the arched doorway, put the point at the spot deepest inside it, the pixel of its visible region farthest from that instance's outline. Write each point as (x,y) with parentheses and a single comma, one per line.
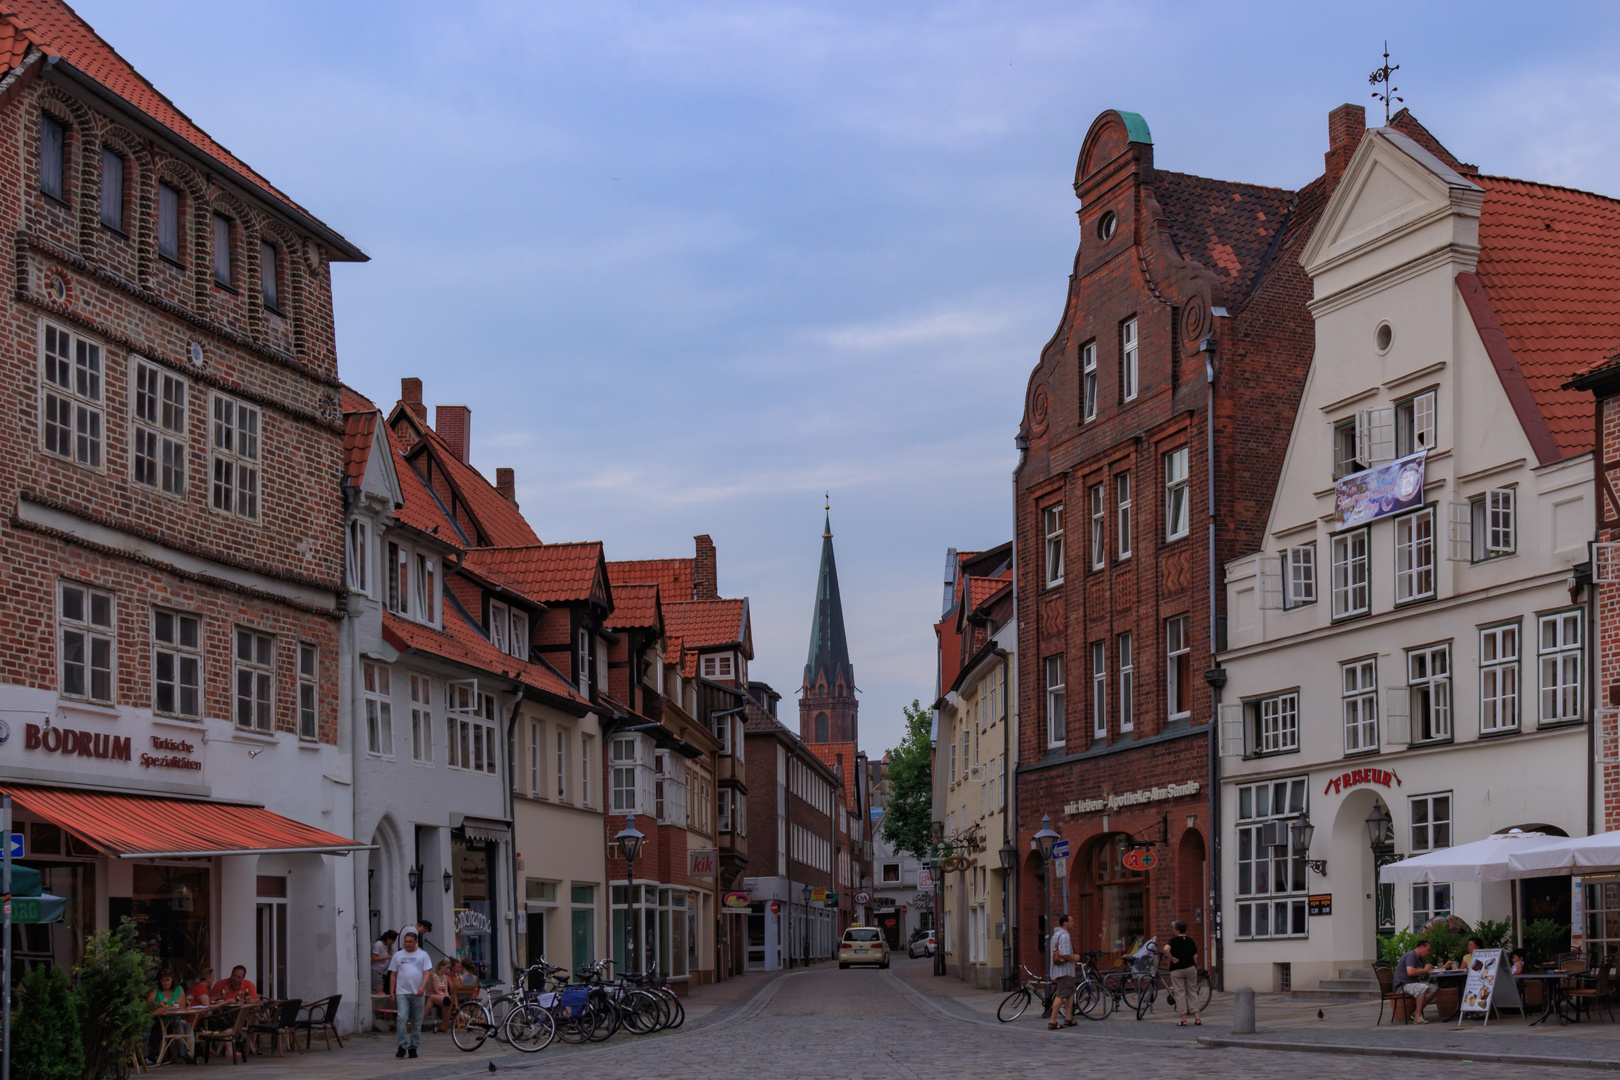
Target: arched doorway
(1112,900)
(1357,922)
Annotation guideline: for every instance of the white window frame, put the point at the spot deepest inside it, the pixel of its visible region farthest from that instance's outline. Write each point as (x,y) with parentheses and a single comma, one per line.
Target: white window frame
(1415,556)
(1178,683)
(1499,678)
(583,658)
(1352,571)
(1088,381)
(519,644)
(1428,681)
(1358,681)
(1270,888)
(413,589)
(1128,366)
(1558,647)
(1122,510)
(1345,451)
(359,556)
(717,666)
(1127,681)
(500,617)
(1099,688)
(1099,529)
(562,759)
(259,668)
(585,769)
(176,664)
(1054,701)
(1052,530)
(1177,495)
(158,442)
(71,394)
(377,692)
(1415,423)
(1493,524)
(1299,578)
(1375,435)
(92,636)
(309,694)
(1276,721)
(624,782)
(1427,905)
(422,722)
(235,437)
(470,728)
(1432,814)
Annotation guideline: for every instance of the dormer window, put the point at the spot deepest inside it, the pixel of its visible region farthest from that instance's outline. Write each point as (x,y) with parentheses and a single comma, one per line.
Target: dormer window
(717,666)
(413,583)
(509,630)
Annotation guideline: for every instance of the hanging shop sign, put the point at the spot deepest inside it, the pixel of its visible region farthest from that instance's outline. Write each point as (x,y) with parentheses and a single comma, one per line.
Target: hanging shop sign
(1139,859)
(1358,777)
(818,896)
(1109,803)
(863,897)
(736,900)
(703,864)
(1379,491)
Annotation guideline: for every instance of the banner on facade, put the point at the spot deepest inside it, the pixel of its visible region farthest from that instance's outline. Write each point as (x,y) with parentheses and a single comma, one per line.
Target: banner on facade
(703,863)
(1379,491)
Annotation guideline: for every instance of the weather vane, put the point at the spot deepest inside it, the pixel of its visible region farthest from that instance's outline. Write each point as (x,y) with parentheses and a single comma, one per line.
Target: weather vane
(1381,75)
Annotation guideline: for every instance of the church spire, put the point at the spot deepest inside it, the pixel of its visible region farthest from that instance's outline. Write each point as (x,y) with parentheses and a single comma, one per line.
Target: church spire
(829,651)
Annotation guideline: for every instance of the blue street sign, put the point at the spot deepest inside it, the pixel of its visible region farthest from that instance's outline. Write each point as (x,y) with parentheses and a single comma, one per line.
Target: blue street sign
(17,845)
(1060,849)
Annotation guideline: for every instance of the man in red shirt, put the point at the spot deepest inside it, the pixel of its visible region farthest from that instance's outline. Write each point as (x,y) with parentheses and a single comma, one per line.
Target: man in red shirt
(236,988)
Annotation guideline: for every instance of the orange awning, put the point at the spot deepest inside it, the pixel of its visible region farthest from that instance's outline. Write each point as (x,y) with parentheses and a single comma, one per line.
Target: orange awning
(150,826)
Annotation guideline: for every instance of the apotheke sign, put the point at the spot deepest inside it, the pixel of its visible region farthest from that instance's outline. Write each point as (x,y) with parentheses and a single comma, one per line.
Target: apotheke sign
(1132,798)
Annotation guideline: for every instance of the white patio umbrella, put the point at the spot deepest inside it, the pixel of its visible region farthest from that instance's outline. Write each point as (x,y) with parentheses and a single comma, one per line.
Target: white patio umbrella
(1600,852)
(1482,860)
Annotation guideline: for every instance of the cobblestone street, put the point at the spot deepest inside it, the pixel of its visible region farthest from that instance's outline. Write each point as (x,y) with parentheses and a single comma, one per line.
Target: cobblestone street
(868,1024)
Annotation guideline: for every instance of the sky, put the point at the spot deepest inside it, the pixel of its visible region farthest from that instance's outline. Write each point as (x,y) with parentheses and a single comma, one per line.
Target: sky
(693,266)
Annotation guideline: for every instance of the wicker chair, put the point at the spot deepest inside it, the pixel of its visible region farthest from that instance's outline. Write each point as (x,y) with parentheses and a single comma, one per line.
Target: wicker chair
(1593,996)
(233,1038)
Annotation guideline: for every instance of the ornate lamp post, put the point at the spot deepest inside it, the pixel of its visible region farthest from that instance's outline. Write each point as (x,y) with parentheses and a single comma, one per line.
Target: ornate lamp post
(1043,843)
(630,840)
(1009,863)
(1301,830)
(1381,836)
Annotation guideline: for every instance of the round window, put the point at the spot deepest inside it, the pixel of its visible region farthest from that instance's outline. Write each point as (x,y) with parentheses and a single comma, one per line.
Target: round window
(1383,336)
(1106,225)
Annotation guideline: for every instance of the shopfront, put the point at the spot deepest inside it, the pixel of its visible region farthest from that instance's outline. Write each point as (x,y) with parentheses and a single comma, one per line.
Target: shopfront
(474,903)
(662,917)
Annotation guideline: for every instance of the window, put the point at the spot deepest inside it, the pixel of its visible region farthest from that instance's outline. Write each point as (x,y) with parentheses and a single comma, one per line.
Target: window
(1499,679)
(1300,580)
(379,709)
(470,727)
(583,926)
(584,660)
(427,587)
(1414,556)
(520,635)
(159,457)
(72,392)
(1493,524)
(1178,655)
(1350,590)
(534,762)
(52,156)
(562,765)
(267,275)
(1360,679)
(236,457)
(1559,644)
(1122,505)
(308,672)
(1278,723)
(1428,680)
(585,770)
(359,548)
(255,680)
(112,190)
(498,623)
(1052,519)
(169,222)
(1431,822)
(1414,424)
(1430,902)
(1345,459)
(1099,530)
(725,809)
(717,667)
(1127,365)
(422,719)
(1088,381)
(87,643)
(1127,677)
(624,778)
(413,586)
(1271,875)
(1099,688)
(1054,701)
(1177,520)
(222,250)
(176,664)
(891,873)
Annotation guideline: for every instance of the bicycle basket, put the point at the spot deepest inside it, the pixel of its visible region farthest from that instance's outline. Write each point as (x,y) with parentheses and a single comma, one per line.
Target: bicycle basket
(574,999)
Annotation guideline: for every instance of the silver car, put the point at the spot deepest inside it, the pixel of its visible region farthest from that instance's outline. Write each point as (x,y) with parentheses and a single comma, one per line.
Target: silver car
(922,946)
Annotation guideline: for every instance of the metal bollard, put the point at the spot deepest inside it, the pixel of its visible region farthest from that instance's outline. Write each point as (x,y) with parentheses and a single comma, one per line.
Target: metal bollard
(1243,1011)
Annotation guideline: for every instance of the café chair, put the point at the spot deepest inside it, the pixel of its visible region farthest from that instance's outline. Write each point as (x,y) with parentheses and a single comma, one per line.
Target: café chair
(1592,996)
(1401,1005)
(320,1015)
(282,1026)
(233,1038)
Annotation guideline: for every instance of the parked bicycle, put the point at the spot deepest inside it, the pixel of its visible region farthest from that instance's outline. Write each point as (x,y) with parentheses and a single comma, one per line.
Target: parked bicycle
(1014,1004)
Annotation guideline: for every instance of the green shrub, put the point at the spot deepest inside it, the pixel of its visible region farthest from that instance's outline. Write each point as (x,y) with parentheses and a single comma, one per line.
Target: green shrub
(45,1035)
(1445,942)
(1543,939)
(1494,933)
(113,980)
(1392,948)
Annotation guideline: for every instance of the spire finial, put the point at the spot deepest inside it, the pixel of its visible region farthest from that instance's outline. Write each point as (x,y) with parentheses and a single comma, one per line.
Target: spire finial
(1382,75)
(826,530)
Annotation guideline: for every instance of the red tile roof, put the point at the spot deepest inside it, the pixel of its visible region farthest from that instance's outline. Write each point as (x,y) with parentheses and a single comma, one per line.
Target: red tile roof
(57,30)
(981,589)
(702,624)
(497,518)
(1227,226)
(672,576)
(549,573)
(1549,261)
(461,643)
(355,401)
(635,607)
(828,754)
(359,429)
(422,510)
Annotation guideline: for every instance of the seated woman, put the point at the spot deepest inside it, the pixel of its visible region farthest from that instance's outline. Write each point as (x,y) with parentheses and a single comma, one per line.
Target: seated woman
(198,993)
(167,995)
(463,973)
(436,994)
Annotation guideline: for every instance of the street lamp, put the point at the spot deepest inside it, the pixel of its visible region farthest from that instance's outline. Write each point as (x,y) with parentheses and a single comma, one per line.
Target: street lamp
(414,878)
(1301,830)
(1380,827)
(630,840)
(1043,843)
(1009,862)
(448,881)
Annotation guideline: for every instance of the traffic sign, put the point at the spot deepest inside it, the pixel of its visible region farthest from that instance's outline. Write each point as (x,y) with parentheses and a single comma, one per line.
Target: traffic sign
(1060,867)
(1060,849)
(17,846)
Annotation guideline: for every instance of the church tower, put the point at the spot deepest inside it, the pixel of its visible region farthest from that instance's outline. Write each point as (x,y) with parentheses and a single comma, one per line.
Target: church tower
(827,705)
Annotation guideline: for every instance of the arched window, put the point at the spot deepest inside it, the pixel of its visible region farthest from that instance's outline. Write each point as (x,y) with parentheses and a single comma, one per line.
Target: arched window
(821,727)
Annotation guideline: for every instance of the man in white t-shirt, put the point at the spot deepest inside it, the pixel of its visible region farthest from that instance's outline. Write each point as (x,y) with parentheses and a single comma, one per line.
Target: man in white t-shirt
(408,971)
(1062,975)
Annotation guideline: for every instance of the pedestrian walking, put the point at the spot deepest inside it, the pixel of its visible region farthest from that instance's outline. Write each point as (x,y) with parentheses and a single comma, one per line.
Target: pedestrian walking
(1183,953)
(1063,959)
(407,974)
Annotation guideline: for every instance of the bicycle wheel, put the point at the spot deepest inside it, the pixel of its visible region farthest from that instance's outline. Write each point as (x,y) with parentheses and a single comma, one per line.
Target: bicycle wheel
(499,1009)
(640,1012)
(470,1025)
(574,1029)
(529,1028)
(607,1019)
(1090,1001)
(1013,1005)
(678,1008)
(1132,986)
(1147,991)
(1205,991)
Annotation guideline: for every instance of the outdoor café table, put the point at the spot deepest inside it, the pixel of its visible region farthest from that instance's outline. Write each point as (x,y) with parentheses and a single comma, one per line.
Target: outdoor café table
(1449,990)
(1551,993)
(169,1021)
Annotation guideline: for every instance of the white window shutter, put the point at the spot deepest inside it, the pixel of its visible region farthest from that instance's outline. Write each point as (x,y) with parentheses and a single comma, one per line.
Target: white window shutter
(1232,736)
(1397,715)
(1375,435)
(1272,568)
(1459,532)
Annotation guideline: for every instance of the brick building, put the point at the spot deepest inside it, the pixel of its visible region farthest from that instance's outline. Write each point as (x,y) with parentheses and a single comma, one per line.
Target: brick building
(1153,431)
(173,535)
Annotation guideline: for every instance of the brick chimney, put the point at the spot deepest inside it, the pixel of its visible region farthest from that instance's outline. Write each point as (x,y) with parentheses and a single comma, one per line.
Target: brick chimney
(454,425)
(705,577)
(1346,125)
(410,392)
(506,484)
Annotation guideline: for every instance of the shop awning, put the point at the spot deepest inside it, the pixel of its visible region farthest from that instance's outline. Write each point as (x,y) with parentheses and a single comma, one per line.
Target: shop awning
(1569,855)
(151,826)
(1490,859)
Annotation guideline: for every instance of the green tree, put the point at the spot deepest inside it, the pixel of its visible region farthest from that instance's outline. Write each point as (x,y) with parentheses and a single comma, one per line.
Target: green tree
(908,819)
(113,980)
(45,1034)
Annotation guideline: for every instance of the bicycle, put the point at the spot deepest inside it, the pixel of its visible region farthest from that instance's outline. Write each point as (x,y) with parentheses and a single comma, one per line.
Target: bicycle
(1091,1000)
(1014,1004)
(545,986)
(474,1021)
(1203,991)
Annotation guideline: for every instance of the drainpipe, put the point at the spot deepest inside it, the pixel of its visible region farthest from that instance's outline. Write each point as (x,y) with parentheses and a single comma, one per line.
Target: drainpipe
(511,845)
(1212,907)
(1010,817)
(1587,578)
